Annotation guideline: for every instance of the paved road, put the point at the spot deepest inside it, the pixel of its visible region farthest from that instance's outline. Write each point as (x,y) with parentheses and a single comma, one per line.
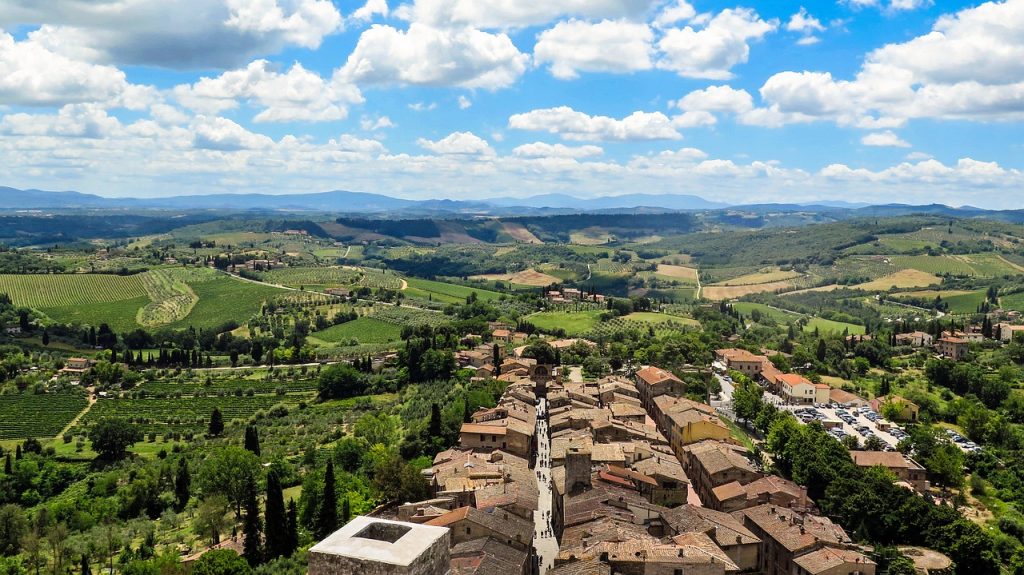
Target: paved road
(544,541)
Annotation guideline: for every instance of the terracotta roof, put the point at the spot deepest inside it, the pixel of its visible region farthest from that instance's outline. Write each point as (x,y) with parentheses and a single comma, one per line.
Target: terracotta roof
(793,530)
(653,375)
(888,459)
(828,558)
(483,428)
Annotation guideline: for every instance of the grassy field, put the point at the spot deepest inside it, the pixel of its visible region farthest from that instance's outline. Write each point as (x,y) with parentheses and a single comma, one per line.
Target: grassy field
(937,265)
(573,323)
(680,273)
(364,330)
(901,279)
(1013,301)
(829,326)
(51,290)
(780,316)
(959,301)
(446,292)
(658,318)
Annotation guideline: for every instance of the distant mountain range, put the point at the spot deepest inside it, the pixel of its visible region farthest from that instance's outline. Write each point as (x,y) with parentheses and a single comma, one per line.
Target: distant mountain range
(345,202)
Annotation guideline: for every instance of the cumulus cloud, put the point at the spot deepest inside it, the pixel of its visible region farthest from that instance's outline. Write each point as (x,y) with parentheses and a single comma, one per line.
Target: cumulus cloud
(372,124)
(606,46)
(464,102)
(71,121)
(885,139)
(458,143)
(428,56)
(573,125)
(980,76)
(674,13)
(545,150)
(714,49)
(31,74)
(371,9)
(223,135)
(296,95)
(517,14)
(181,34)
(891,6)
(806,25)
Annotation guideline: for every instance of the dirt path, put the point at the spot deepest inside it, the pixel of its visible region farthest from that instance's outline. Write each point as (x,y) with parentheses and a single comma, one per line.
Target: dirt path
(92,400)
(699,286)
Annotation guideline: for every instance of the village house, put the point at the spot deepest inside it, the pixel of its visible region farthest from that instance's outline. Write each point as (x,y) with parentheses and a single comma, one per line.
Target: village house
(741,360)
(915,339)
(954,348)
(734,496)
(798,389)
(905,469)
(469,523)
(710,464)
(788,535)
(653,381)
(908,409)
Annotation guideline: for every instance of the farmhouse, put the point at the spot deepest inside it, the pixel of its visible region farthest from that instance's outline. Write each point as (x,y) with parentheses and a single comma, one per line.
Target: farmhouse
(907,470)
(954,348)
(915,339)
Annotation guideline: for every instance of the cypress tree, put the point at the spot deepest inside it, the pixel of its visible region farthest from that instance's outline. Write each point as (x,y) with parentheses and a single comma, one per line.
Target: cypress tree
(252,440)
(435,420)
(86,568)
(216,422)
(7,465)
(252,528)
(46,338)
(277,533)
(292,528)
(327,517)
(466,415)
(182,486)
(17,451)
(346,511)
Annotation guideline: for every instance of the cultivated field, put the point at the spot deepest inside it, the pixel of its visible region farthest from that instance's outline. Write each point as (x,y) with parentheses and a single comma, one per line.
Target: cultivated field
(363,330)
(829,326)
(446,292)
(780,316)
(764,277)
(171,298)
(25,415)
(902,279)
(53,290)
(327,277)
(529,277)
(718,293)
(677,272)
(520,234)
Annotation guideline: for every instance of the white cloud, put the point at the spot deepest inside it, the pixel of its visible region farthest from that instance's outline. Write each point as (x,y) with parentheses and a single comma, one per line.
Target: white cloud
(369,124)
(804,23)
(573,125)
(712,51)
(72,121)
(606,46)
(371,9)
(304,25)
(297,95)
(180,34)
(679,11)
(980,76)
(464,102)
(422,106)
(458,143)
(223,135)
(33,75)
(884,139)
(427,56)
(545,150)
(918,156)
(892,6)
(503,14)
(717,99)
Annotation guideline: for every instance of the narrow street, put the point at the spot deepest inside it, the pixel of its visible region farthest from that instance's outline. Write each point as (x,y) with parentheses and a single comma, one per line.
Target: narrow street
(543,537)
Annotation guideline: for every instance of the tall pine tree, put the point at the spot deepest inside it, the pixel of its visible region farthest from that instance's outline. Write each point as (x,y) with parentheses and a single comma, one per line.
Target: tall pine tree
(277,544)
(327,516)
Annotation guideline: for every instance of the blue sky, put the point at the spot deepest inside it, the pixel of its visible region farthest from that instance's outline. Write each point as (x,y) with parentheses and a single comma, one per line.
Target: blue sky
(857,100)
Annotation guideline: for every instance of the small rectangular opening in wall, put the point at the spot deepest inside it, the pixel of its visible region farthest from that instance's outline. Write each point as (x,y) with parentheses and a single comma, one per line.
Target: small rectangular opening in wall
(388,532)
